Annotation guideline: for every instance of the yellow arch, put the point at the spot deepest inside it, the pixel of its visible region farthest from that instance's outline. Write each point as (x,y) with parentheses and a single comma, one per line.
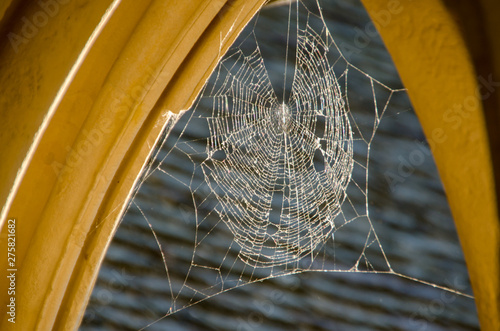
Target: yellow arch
(96,82)
(430,46)
(85,95)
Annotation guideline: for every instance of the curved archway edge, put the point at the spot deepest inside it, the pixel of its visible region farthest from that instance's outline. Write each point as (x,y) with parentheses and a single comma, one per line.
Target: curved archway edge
(93,83)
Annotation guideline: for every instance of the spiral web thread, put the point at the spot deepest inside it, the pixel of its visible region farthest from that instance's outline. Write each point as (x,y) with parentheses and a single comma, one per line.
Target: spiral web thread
(277,185)
(277,204)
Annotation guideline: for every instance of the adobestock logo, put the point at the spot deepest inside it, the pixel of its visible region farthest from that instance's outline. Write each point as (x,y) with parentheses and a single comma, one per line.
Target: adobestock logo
(456,115)
(363,37)
(120,108)
(32,25)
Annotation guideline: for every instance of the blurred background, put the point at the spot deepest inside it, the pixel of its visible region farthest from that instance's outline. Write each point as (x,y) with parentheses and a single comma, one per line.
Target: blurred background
(407,207)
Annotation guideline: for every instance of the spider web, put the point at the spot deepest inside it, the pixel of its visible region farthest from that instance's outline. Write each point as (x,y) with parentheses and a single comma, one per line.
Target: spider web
(261,154)
(282,170)
(270,170)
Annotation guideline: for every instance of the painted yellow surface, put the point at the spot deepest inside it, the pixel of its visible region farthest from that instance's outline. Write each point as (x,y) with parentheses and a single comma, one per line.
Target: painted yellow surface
(84,97)
(85,94)
(426,42)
